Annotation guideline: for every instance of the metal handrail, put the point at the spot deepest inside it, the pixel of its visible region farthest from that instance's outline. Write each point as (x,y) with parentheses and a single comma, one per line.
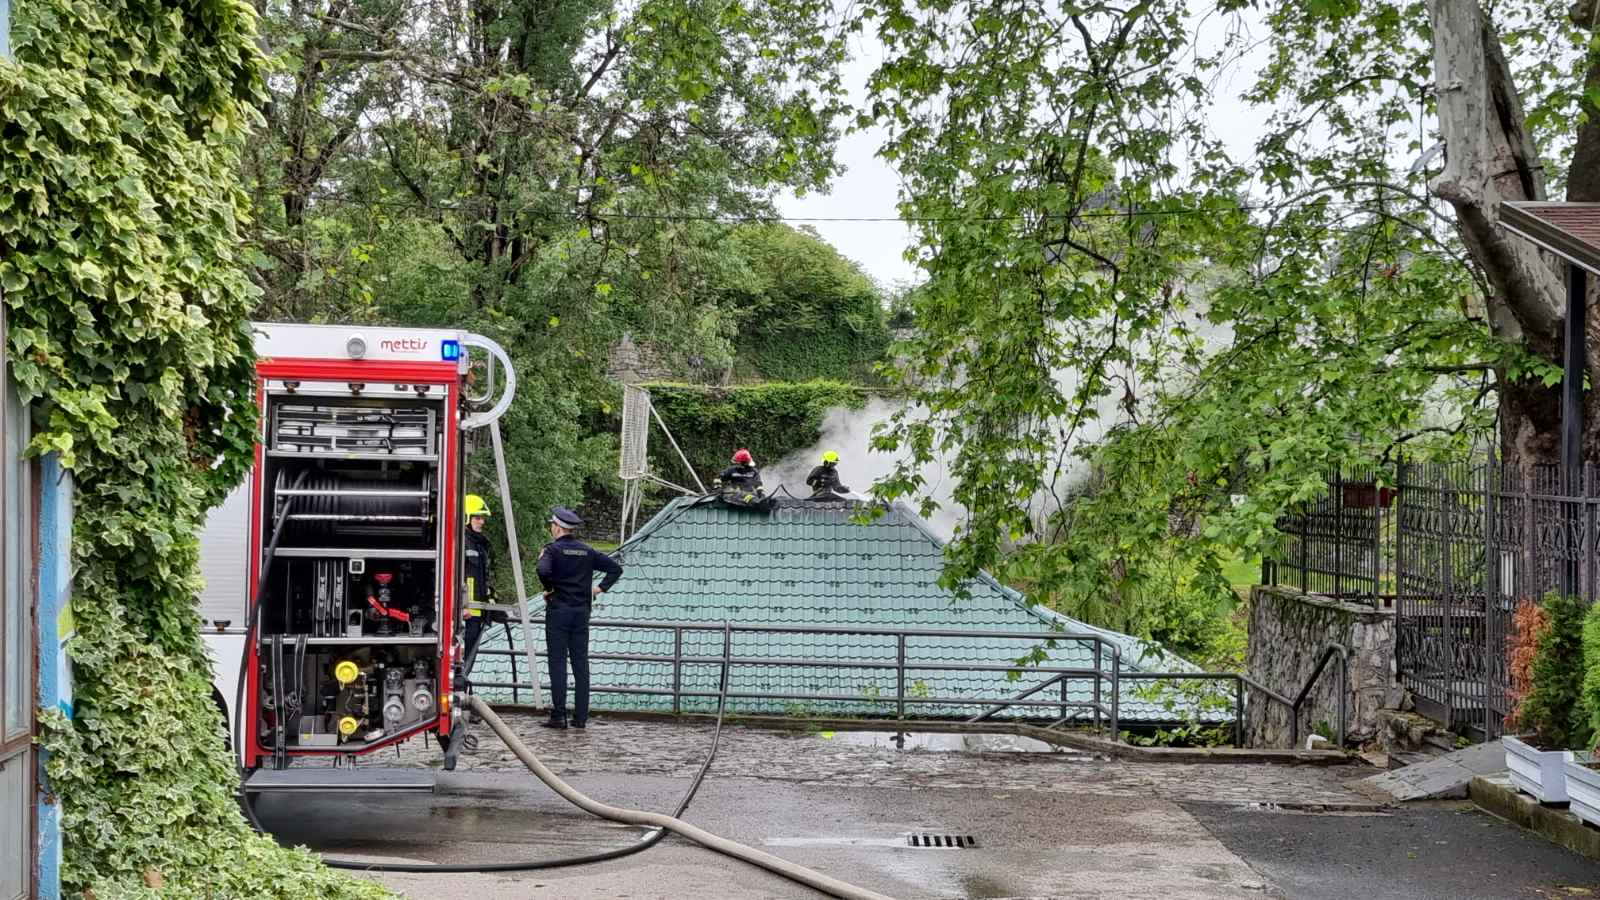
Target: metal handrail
(849,629)
(1109,708)
(1328,653)
(1101,708)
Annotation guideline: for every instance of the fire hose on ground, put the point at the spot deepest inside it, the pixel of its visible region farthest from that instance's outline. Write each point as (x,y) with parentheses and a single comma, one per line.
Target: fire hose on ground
(659,822)
(793,871)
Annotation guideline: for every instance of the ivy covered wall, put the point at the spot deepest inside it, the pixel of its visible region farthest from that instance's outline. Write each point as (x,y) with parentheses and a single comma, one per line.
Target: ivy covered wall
(808,311)
(128,335)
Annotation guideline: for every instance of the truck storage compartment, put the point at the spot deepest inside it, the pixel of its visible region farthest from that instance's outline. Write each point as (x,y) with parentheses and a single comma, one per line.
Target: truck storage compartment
(348,641)
(351,597)
(342,698)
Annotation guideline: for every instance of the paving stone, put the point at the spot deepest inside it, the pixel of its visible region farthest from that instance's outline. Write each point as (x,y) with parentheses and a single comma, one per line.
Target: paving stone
(678,750)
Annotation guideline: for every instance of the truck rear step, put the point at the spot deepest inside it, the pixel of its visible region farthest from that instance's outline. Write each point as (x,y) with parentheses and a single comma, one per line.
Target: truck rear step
(325,779)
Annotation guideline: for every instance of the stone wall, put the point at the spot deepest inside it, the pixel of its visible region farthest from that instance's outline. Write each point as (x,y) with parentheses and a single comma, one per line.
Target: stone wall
(1288,632)
(632,363)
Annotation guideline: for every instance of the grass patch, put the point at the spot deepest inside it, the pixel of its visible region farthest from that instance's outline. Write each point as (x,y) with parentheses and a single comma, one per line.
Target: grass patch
(1243,573)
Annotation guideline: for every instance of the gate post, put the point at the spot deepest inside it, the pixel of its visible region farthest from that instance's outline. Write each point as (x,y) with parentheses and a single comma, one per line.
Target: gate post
(1447,594)
(1305,543)
(1338,534)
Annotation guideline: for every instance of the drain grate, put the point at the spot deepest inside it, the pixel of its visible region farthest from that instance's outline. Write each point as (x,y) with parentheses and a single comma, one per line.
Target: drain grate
(942,841)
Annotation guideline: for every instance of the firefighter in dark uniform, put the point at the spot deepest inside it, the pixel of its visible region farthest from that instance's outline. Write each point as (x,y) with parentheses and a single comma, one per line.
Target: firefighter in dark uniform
(477,572)
(742,475)
(566,571)
(824,479)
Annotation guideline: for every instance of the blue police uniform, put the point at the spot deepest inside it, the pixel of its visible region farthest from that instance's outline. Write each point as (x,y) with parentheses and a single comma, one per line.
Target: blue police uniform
(566,570)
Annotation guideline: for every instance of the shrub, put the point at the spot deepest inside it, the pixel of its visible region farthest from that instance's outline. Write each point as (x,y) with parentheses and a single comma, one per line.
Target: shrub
(772,420)
(1553,707)
(1522,645)
(1591,672)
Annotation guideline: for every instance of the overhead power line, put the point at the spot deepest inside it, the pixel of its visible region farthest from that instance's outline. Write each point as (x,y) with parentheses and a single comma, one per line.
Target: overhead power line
(738,219)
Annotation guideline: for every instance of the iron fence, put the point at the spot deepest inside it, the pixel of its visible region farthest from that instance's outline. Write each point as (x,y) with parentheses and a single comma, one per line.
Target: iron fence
(1452,548)
(1103,682)
(1337,546)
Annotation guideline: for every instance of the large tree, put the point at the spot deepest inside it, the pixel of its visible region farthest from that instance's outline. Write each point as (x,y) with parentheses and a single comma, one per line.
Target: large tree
(553,173)
(1158,323)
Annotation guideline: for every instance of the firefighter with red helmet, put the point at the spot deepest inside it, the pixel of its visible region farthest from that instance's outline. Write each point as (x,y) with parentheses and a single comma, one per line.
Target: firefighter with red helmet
(742,475)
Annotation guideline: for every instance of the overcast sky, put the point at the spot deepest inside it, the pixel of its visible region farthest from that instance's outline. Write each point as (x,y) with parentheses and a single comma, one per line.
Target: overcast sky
(869,187)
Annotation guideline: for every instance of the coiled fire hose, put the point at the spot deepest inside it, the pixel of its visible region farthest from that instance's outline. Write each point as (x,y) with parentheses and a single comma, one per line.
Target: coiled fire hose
(793,871)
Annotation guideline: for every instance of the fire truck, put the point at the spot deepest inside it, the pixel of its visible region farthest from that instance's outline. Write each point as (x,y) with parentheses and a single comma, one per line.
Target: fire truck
(334,573)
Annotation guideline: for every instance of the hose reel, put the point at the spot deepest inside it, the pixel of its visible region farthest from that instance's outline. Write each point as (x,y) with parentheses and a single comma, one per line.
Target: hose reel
(329,506)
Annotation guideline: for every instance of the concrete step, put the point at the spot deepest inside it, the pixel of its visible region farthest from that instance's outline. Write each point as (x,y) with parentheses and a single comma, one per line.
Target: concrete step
(1445,777)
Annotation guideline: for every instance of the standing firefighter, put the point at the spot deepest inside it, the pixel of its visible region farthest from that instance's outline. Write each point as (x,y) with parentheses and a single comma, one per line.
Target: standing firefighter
(566,570)
(824,479)
(476,559)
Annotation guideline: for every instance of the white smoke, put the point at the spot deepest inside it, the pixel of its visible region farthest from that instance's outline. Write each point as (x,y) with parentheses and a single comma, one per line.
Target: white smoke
(849,433)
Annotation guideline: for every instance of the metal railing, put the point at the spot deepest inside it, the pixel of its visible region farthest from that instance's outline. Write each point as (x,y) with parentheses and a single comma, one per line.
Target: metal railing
(1329,652)
(1105,677)
(1452,548)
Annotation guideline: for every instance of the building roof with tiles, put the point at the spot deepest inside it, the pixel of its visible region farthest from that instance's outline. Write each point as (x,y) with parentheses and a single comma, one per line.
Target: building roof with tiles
(817,565)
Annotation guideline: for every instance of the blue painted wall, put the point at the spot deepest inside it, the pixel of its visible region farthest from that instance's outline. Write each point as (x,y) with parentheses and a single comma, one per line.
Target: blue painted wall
(53,618)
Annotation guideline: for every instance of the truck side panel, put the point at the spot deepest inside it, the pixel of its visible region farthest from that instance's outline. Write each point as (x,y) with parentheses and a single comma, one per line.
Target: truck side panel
(225,561)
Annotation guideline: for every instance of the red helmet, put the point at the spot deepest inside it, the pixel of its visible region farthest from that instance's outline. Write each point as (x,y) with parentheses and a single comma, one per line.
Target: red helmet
(742,456)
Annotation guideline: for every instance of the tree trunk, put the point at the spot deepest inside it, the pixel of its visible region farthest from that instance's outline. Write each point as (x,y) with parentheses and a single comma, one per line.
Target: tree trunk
(1490,158)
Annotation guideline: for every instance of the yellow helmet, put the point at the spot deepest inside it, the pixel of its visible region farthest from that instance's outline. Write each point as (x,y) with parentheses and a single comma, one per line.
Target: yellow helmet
(830,457)
(475,506)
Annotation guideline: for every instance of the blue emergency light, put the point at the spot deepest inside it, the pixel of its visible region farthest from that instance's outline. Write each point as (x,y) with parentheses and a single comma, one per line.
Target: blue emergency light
(449,350)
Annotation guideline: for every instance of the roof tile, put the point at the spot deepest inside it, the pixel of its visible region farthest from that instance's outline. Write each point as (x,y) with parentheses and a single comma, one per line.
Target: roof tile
(806,564)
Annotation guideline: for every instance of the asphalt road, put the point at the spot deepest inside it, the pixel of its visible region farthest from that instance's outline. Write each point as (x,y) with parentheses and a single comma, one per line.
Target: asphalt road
(1029,845)
(1448,852)
(1046,826)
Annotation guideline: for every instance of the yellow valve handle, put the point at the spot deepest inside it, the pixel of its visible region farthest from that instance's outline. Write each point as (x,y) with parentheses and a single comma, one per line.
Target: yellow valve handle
(348,726)
(346,672)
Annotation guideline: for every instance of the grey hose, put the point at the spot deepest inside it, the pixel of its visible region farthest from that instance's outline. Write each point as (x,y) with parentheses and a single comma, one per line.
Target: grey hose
(809,877)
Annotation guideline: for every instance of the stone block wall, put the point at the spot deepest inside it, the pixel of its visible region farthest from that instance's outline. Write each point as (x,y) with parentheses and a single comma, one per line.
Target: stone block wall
(1288,632)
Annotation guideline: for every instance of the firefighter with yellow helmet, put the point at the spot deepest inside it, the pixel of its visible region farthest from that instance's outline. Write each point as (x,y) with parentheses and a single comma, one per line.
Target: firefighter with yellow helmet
(476,550)
(824,479)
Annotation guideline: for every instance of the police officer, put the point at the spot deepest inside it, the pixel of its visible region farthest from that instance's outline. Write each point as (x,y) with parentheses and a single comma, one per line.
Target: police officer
(566,570)
(477,571)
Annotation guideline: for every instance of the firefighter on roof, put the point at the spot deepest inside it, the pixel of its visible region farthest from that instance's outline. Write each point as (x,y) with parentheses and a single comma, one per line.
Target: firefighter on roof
(741,481)
(743,474)
(824,479)
(566,570)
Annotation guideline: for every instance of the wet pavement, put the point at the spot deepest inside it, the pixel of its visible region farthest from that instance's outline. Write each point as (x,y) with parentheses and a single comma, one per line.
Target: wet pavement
(870,758)
(1046,824)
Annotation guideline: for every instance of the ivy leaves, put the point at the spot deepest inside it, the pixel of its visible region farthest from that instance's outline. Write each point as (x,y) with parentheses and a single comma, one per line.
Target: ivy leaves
(128,334)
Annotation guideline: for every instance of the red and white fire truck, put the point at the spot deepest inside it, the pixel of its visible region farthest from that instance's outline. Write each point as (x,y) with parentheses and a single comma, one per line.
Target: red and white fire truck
(334,573)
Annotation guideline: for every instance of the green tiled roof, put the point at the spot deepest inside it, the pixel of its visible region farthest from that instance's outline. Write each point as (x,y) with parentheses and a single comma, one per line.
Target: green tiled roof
(812,564)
